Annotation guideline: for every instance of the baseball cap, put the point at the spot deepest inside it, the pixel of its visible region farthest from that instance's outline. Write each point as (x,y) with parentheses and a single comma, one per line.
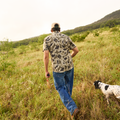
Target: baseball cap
(55,25)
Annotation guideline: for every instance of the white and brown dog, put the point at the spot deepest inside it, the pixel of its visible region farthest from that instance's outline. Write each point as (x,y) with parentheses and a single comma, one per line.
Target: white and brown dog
(108,90)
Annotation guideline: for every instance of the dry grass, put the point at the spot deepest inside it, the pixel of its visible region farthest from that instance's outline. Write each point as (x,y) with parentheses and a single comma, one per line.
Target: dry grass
(25,96)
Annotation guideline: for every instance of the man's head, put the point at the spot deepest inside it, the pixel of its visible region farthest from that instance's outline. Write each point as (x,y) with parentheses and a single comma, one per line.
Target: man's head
(55,27)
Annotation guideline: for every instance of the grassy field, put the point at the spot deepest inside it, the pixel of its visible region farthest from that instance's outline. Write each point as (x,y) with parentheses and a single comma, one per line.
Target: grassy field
(24,94)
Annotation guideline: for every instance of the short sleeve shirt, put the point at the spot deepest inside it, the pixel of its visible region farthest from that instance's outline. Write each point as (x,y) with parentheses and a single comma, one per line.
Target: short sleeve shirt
(59,46)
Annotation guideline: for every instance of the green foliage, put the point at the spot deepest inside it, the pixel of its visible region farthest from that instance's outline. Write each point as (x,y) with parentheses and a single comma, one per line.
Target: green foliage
(4,65)
(68,32)
(25,42)
(114,29)
(6,45)
(41,38)
(34,46)
(96,33)
(29,41)
(75,37)
(93,26)
(12,52)
(22,49)
(110,23)
(79,37)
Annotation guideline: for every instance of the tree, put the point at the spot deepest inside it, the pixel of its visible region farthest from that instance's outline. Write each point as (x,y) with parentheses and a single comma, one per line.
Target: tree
(6,45)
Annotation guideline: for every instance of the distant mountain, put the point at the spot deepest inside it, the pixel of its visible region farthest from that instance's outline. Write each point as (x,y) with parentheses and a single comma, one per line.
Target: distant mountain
(109,20)
(113,16)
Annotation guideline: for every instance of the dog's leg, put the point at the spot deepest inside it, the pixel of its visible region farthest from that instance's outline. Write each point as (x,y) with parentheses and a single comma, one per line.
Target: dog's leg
(108,102)
(107,97)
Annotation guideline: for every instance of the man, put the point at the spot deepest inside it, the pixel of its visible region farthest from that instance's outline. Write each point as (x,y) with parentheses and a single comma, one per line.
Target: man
(58,45)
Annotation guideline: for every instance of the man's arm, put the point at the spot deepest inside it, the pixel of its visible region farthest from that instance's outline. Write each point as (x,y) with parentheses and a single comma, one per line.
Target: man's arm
(74,51)
(46,62)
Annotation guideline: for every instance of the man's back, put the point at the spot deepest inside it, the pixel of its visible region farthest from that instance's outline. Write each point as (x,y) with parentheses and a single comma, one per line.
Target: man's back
(59,45)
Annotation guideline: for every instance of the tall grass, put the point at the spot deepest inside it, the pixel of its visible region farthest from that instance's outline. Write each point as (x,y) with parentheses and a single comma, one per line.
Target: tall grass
(25,96)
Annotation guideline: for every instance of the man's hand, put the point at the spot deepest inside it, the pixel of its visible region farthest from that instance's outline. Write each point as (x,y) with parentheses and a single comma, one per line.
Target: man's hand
(47,74)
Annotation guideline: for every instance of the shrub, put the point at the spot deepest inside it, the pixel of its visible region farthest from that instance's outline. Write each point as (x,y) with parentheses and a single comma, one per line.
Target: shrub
(75,37)
(79,38)
(83,36)
(114,29)
(22,49)
(95,34)
(6,45)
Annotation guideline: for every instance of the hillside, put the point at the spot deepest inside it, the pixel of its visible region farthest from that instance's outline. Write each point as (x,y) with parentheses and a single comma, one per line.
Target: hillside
(23,91)
(108,21)
(113,16)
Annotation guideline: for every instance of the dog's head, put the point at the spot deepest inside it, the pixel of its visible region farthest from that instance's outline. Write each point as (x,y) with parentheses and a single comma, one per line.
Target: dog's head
(96,84)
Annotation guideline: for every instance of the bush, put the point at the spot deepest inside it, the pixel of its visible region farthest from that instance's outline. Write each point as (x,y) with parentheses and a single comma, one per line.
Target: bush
(95,34)
(22,49)
(83,36)
(79,38)
(6,45)
(75,37)
(114,29)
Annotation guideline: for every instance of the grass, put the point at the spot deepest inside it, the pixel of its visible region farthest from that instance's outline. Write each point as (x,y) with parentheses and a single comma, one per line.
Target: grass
(25,96)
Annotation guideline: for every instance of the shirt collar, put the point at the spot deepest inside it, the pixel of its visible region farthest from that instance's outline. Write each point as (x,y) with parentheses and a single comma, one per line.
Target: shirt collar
(55,33)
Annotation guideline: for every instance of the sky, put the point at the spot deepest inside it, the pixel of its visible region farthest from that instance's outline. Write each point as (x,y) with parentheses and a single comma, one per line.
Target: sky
(21,19)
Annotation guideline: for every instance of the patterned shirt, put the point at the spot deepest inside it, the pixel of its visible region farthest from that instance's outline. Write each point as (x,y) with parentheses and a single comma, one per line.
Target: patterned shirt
(59,45)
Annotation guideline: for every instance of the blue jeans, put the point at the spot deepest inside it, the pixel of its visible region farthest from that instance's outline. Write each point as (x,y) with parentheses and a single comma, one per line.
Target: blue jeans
(64,83)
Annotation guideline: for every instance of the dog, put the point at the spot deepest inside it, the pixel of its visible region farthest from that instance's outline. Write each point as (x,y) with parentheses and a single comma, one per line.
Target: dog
(108,90)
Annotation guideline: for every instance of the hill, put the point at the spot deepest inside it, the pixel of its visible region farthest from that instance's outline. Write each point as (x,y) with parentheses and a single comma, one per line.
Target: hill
(108,21)
(25,96)
(113,16)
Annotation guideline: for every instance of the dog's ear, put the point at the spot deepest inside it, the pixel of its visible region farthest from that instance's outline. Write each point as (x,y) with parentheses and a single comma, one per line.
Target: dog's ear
(97,81)
(96,84)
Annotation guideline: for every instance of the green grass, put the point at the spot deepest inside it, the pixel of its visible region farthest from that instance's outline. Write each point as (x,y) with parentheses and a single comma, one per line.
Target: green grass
(25,96)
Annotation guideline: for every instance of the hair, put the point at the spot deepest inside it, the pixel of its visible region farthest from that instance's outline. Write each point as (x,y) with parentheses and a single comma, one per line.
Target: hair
(56,28)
